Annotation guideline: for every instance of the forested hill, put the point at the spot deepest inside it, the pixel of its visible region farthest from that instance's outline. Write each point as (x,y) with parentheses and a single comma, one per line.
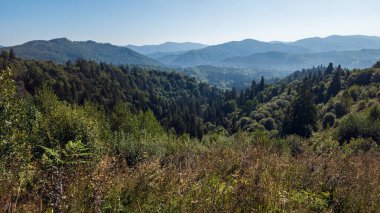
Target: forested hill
(62,50)
(178,101)
(82,135)
(183,104)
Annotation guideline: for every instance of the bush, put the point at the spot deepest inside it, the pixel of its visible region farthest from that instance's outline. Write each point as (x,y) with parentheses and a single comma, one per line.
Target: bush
(328,120)
(282,103)
(374,113)
(361,105)
(244,122)
(341,108)
(354,92)
(356,126)
(358,145)
(294,144)
(257,116)
(268,123)
(255,127)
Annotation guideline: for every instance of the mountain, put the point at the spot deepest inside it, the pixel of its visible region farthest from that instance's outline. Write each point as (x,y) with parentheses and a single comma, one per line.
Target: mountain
(61,50)
(168,47)
(279,55)
(213,55)
(339,43)
(288,62)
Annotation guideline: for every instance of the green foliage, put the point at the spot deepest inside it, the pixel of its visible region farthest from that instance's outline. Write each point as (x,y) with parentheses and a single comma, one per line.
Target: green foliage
(359,145)
(59,123)
(72,154)
(62,50)
(269,123)
(302,114)
(374,113)
(335,86)
(354,91)
(177,101)
(356,126)
(328,120)
(94,138)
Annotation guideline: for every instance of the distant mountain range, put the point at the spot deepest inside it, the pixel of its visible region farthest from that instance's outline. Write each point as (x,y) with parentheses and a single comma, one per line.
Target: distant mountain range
(215,55)
(61,50)
(339,43)
(349,51)
(286,56)
(168,47)
(286,61)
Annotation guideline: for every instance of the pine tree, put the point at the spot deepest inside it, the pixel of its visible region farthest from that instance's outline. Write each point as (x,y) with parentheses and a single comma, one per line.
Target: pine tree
(335,86)
(329,70)
(302,114)
(253,90)
(261,85)
(12,55)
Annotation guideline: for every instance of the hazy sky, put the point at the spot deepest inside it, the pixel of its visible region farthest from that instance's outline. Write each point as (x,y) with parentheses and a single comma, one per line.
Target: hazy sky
(124,22)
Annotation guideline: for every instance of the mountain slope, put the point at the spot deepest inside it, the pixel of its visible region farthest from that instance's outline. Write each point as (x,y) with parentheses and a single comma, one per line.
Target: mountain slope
(168,47)
(62,50)
(288,62)
(218,55)
(213,55)
(339,43)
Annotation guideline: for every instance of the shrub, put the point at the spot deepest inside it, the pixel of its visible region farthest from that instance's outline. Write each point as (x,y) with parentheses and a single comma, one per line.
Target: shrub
(356,126)
(361,105)
(257,116)
(328,120)
(268,123)
(255,127)
(244,122)
(294,144)
(358,145)
(374,113)
(342,107)
(354,92)
(282,103)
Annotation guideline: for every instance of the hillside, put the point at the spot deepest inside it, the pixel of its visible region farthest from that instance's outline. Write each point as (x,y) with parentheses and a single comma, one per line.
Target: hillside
(339,43)
(289,62)
(288,56)
(87,135)
(62,50)
(167,47)
(213,55)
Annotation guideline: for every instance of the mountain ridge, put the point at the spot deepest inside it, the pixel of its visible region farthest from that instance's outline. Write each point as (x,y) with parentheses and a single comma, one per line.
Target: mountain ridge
(216,55)
(167,47)
(287,62)
(61,50)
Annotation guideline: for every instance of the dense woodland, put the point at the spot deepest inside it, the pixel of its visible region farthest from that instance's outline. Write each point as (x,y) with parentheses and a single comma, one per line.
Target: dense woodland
(89,136)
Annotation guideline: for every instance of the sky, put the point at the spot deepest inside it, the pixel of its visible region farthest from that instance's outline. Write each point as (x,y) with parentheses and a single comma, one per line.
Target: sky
(139,22)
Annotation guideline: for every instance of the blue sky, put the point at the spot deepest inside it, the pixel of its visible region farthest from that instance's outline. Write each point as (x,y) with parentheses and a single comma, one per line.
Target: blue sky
(124,22)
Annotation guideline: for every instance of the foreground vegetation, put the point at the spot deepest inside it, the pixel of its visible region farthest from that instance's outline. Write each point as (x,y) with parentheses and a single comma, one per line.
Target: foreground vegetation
(60,155)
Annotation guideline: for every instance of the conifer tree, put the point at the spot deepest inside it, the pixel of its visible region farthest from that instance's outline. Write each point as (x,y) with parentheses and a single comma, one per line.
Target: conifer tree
(329,70)
(261,85)
(302,114)
(335,86)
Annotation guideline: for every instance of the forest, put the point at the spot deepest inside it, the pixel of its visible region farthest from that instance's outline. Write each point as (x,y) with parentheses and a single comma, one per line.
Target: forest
(88,136)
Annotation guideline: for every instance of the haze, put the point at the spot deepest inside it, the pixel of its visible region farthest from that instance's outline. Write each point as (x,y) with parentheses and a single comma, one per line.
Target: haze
(139,22)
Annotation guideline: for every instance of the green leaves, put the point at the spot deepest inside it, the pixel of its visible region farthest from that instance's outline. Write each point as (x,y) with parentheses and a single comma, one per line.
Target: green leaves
(74,153)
